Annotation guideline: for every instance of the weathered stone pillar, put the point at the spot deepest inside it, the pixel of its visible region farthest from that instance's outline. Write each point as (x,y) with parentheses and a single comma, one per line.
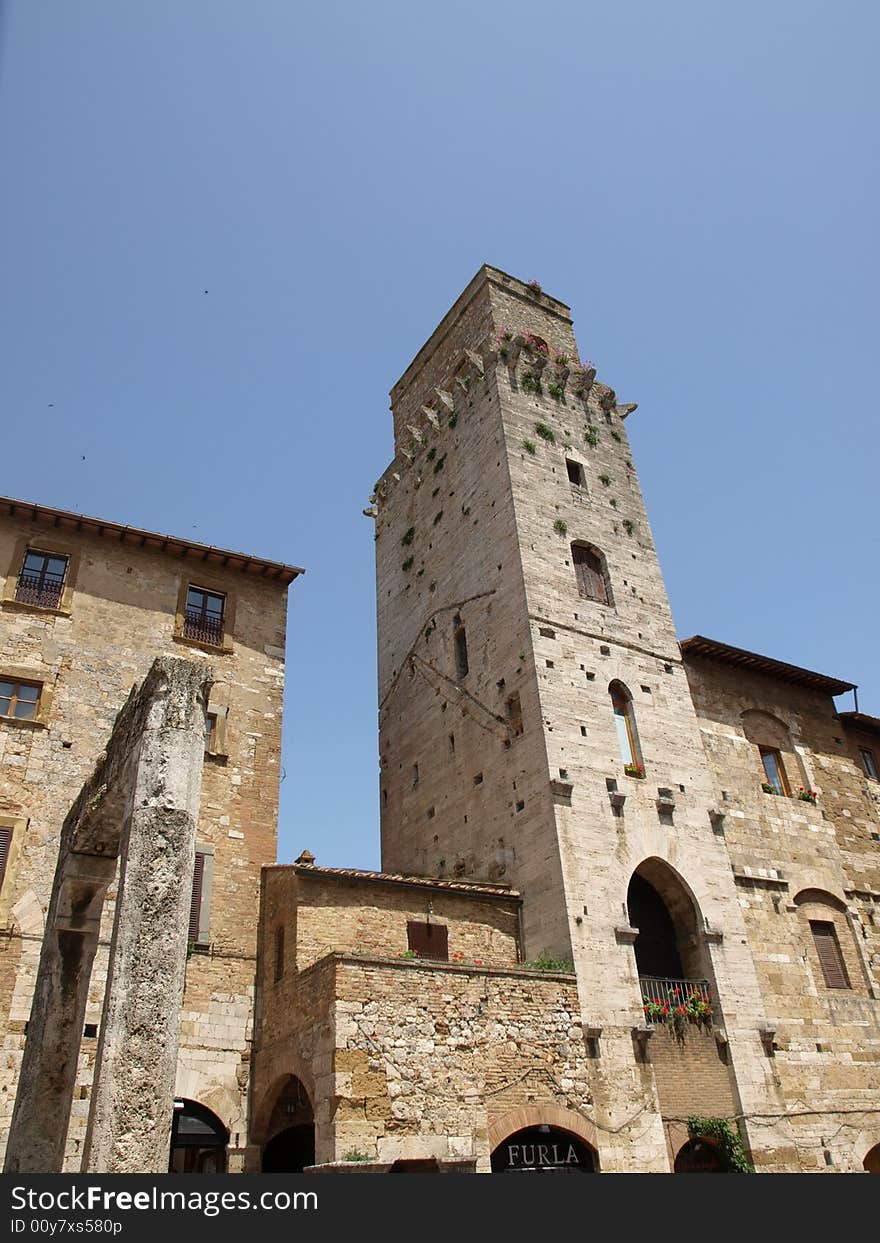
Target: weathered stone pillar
(133,1092)
(140,804)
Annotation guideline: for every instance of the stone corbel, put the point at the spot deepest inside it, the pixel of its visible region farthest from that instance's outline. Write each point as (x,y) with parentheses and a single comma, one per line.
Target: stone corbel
(616,798)
(584,382)
(665,802)
(432,417)
(447,398)
(608,400)
(591,1033)
(641,1035)
(720,1037)
(716,819)
(416,434)
(623,411)
(625,935)
(538,362)
(514,349)
(476,362)
(768,1038)
(713,936)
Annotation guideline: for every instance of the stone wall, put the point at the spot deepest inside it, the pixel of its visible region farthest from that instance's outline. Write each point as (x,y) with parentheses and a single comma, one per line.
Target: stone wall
(121,616)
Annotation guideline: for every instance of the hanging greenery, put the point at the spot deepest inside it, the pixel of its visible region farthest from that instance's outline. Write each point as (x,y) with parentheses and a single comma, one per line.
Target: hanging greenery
(731,1152)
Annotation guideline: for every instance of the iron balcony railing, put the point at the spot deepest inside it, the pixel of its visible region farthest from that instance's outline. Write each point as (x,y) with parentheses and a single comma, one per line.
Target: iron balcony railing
(661,993)
(203,629)
(32,589)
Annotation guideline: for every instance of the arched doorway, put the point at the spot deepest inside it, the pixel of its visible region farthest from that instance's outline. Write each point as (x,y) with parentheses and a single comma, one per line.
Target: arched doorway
(872,1160)
(198,1140)
(291,1128)
(543,1150)
(698,1156)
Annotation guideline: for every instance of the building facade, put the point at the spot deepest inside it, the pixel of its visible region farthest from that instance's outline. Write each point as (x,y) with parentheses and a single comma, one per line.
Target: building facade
(86,607)
(628,917)
(689,832)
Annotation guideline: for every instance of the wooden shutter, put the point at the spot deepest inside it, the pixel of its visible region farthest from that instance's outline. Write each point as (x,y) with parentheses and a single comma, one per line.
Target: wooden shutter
(830,957)
(589,574)
(5,843)
(195,902)
(428,940)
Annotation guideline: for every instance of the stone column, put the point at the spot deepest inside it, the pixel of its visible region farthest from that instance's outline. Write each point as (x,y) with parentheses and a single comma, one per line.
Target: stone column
(132,1099)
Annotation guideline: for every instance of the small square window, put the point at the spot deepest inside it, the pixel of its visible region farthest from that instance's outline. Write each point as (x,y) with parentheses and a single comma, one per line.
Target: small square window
(203,616)
(41,579)
(576,474)
(20,700)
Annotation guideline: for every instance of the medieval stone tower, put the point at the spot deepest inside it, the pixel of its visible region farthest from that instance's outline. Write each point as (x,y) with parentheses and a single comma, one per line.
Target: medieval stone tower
(536,725)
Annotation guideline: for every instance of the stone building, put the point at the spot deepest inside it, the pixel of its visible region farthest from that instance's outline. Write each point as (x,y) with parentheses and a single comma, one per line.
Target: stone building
(626,881)
(86,607)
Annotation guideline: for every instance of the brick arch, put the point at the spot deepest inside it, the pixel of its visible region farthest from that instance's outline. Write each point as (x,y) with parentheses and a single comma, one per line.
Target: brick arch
(820,897)
(543,1115)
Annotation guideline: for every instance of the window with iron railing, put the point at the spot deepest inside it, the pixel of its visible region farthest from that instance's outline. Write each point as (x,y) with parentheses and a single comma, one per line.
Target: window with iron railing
(203,616)
(41,579)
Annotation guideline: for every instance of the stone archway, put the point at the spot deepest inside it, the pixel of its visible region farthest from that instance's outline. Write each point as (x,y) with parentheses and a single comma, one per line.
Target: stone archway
(871,1163)
(698,1156)
(568,1140)
(199,1140)
(287,1124)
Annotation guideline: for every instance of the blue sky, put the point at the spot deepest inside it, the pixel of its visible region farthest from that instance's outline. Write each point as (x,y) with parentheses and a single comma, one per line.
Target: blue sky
(698,181)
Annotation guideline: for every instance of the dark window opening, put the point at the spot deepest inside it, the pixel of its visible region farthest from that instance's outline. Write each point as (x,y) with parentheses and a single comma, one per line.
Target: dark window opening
(279,953)
(656,945)
(41,579)
(514,715)
(589,569)
(210,731)
(90,1031)
(428,940)
(203,618)
(461,652)
(576,474)
(830,957)
(869,764)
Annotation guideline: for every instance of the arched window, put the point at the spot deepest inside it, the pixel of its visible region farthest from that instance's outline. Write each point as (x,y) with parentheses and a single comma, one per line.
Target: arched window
(831,951)
(625,724)
(591,573)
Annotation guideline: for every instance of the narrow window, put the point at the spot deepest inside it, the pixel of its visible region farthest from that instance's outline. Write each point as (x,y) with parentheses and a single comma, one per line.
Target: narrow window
(415,774)
(20,699)
(461,653)
(41,579)
(5,844)
(203,619)
(428,940)
(514,715)
(625,726)
(869,763)
(828,950)
(210,732)
(279,953)
(589,570)
(195,902)
(774,771)
(575,473)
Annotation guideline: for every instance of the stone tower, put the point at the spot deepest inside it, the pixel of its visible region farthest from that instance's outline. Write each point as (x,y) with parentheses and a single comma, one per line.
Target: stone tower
(536,724)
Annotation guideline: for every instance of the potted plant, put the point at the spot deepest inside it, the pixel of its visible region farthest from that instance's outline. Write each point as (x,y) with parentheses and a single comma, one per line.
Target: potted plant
(634,770)
(807,796)
(767,787)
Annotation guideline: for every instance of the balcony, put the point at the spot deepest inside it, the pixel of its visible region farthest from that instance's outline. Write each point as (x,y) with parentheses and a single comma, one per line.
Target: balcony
(203,629)
(37,590)
(676,1002)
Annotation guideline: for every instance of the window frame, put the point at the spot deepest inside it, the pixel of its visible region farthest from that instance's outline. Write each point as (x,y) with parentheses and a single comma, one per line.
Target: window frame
(16,698)
(785,792)
(830,926)
(30,677)
(215,741)
(619,694)
(869,763)
(203,939)
(581,482)
(414,939)
(17,827)
(582,547)
(213,587)
(46,548)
